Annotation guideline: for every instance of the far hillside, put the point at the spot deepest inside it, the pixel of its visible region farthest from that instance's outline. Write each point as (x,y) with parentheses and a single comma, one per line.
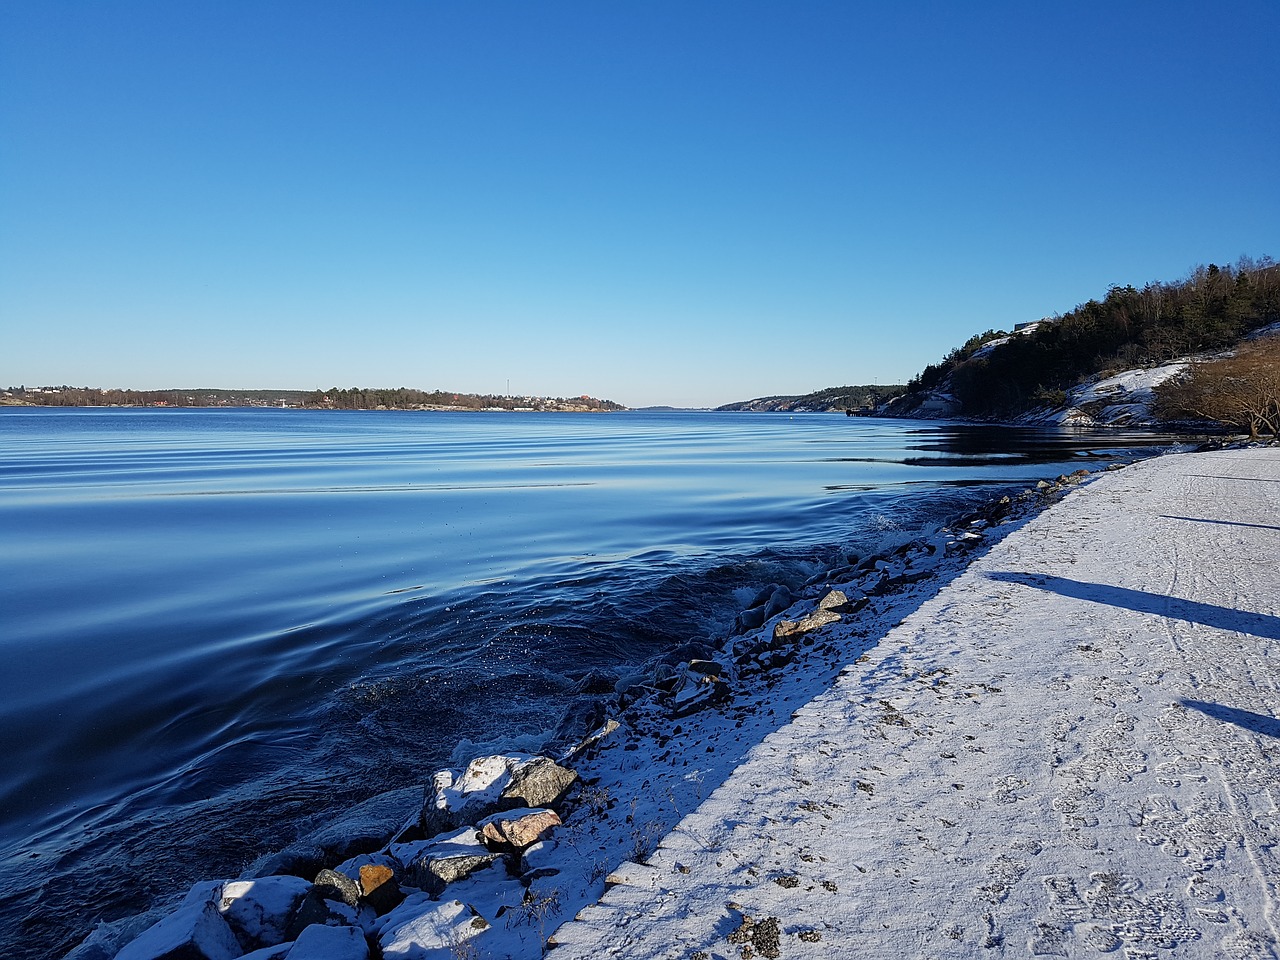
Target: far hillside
(1004,375)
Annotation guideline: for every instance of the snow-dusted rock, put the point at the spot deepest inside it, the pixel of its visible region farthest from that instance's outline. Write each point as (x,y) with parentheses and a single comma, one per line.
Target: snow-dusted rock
(334,885)
(435,932)
(432,865)
(105,940)
(699,684)
(278,952)
(195,931)
(490,785)
(320,942)
(259,911)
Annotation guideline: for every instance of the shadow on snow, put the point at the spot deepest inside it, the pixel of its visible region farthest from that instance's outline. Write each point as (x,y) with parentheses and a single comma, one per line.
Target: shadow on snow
(1192,611)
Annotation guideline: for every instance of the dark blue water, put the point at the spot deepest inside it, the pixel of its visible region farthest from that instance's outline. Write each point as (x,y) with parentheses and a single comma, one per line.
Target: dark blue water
(219,626)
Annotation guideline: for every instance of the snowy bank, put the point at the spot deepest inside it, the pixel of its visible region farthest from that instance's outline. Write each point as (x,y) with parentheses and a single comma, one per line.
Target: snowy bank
(1072,749)
(1061,746)
(495,854)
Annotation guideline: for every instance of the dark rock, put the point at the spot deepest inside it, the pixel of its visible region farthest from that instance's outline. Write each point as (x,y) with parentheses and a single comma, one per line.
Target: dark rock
(529,878)
(706,668)
(597,683)
(298,860)
(333,885)
(316,909)
(699,687)
(749,620)
(581,718)
(778,601)
(692,650)
(761,598)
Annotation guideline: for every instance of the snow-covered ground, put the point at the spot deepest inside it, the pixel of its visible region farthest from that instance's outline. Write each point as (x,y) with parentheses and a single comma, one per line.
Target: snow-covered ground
(1066,746)
(1071,750)
(1125,399)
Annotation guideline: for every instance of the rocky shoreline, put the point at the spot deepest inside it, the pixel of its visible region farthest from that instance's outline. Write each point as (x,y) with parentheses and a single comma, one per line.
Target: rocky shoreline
(491,858)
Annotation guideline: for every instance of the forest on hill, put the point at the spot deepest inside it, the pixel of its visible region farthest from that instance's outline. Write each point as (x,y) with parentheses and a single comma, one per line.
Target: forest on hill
(858,399)
(996,374)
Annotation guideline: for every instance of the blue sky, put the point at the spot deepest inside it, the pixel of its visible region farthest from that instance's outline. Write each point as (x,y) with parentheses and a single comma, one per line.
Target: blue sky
(653,202)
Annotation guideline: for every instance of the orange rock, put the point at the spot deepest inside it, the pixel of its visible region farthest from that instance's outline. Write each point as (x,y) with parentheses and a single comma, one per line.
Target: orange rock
(520,832)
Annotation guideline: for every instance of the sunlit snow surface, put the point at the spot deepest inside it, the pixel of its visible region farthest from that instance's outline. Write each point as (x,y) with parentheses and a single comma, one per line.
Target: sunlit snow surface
(1072,748)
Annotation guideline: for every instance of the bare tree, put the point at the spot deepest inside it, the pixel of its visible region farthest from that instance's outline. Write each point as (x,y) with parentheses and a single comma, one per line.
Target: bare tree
(1240,391)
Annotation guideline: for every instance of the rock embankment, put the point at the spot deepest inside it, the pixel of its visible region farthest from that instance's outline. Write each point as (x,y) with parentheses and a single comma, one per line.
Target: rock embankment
(495,855)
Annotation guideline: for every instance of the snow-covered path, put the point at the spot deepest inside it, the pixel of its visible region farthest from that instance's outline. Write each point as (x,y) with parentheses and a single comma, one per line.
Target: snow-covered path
(1072,750)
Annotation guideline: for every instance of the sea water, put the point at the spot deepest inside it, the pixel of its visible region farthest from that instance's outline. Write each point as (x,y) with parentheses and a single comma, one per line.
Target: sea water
(220,627)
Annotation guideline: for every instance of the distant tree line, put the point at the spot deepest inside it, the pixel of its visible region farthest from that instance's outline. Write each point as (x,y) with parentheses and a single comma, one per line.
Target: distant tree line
(353,398)
(68,396)
(405,398)
(1211,309)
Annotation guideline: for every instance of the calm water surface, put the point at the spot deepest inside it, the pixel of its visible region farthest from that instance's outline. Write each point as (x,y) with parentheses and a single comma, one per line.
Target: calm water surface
(219,626)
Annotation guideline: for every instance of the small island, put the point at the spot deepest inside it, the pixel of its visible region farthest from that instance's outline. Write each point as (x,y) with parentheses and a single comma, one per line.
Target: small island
(335,398)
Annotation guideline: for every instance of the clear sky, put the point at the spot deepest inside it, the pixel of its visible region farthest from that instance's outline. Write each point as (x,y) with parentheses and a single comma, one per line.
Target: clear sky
(652,202)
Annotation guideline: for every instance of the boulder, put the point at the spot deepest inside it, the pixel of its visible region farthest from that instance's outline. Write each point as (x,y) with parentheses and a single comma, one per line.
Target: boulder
(690,650)
(315,908)
(762,597)
(539,783)
(702,683)
(440,930)
(299,859)
(259,911)
(379,888)
(837,601)
(749,620)
(434,864)
(491,785)
(790,629)
(517,829)
(580,719)
(779,600)
(195,931)
(707,668)
(332,885)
